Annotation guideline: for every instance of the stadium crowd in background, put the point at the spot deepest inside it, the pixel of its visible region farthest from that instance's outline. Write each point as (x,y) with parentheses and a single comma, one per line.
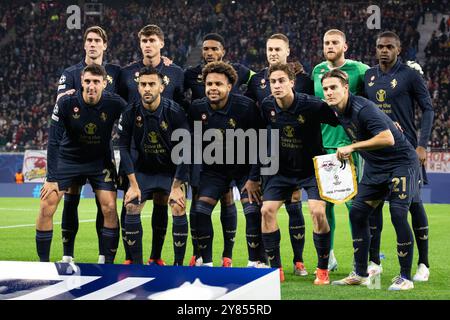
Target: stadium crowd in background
(34,55)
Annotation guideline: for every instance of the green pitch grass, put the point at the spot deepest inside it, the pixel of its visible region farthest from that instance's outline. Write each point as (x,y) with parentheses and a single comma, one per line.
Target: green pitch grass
(17,243)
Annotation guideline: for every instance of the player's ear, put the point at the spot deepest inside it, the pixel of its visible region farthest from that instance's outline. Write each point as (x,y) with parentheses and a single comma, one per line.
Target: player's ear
(105,46)
(105,84)
(345,47)
(161,44)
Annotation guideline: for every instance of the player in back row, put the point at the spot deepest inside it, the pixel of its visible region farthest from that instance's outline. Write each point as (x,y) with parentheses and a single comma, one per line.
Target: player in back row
(334,48)
(394,86)
(213,50)
(95,45)
(151,41)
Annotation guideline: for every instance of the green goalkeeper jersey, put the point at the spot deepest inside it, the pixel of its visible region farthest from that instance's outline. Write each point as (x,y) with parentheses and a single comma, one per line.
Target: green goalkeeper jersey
(335,137)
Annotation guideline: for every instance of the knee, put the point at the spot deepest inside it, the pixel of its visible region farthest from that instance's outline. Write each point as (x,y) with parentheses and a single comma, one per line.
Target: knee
(47,210)
(177,210)
(268,214)
(132,209)
(109,210)
(319,217)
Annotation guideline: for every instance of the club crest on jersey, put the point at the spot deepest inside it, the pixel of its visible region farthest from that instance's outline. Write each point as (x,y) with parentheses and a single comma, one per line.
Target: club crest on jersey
(371,83)
(164,125)
(62,79)
(139,121)
(103,116)
(56,109)
(200,78)
(232,123)
(76,114)
(289,131)
(301,119)
(204,117)
(263,84)
(90,128)
(136,76)
(166,80)
(109,79)
(393,83)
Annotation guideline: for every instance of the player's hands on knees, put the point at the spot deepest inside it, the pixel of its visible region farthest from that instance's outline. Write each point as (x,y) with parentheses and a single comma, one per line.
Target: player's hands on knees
(48,188)
(344,153)
(253,189)
(133,193)
(177,197)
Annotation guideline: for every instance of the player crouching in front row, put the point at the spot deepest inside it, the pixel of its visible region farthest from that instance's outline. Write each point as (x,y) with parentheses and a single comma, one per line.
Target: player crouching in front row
(150,123)
(79,149)
(391,169)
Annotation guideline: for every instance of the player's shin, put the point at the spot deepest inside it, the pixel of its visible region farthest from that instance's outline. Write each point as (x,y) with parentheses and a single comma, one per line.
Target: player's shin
(69,223)
(159,228)
(99,221)
(205,232)
(405,240)
(253,232)
(110,242)
(228,218)
(376,226)
(420,226)
(296,229)
(133,234)
(359,217)
(180,235)
(43,243)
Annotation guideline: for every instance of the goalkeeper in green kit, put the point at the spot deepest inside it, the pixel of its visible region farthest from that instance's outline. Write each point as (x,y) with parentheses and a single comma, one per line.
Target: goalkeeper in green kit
(334,48)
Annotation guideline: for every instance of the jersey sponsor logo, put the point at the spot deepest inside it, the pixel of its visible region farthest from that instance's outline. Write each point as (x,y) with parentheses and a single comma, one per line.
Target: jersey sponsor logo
(402,196)
(55,117)
(232,123)
(62,79)
(153,137)
(371,83)
(90,128)
(393,83)
(289,131)
(381,95)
